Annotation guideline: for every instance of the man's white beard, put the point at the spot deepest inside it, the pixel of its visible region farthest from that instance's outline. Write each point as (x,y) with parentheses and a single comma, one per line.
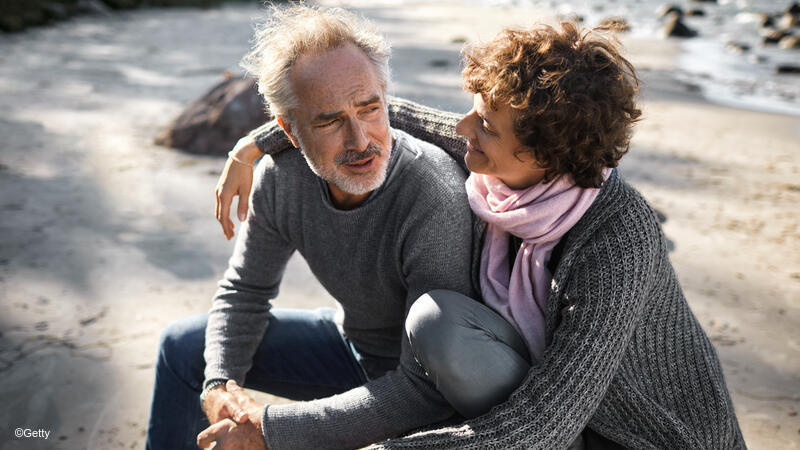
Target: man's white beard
(357,184)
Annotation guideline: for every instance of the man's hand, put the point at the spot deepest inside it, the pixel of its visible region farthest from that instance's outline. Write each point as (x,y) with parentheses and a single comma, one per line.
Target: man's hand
(236,179)
(231,436)
(221,404)
(235,418)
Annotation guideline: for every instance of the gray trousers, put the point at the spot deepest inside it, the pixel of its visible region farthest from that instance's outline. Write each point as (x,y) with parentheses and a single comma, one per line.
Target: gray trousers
(475,358)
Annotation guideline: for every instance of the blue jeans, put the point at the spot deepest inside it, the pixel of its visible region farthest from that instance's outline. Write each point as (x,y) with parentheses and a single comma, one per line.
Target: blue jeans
(302,356)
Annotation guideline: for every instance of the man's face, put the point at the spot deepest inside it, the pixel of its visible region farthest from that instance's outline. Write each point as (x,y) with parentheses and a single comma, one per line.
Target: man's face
(341,122)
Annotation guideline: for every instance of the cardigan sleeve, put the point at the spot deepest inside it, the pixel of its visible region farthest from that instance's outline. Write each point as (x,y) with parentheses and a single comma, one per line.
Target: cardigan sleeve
(428,124)
(603,296)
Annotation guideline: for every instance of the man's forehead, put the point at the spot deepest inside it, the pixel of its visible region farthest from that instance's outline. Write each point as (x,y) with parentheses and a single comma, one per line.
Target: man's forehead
(334,80)
(337,99)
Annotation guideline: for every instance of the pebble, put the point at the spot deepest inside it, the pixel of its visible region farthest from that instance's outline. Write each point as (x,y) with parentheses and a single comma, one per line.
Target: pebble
(773,36)
(676,28)
(766,21)
(788,69)
(666,10)
(789,42)
(738,47)
(616,23)
(788,21)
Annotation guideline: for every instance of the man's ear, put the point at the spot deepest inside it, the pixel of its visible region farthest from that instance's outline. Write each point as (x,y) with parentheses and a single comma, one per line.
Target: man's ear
(287,128)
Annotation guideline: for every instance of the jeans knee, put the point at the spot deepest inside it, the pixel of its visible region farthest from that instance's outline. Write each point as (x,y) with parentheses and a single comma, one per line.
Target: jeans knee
(180,347)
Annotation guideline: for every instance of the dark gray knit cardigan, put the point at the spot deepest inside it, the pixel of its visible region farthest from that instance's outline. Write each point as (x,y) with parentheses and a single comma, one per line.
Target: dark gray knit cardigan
(625,356)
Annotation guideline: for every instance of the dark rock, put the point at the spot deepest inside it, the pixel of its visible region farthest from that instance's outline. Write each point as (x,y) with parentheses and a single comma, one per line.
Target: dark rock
(676,28)
(16,15)
(766,20)
(793,9)
(788,69)
(696,12)
(212,124)
(122,4)
(789,42)
(11,22)
(616,24)
(704,1)
(55,11)
(34,16)
(95,7)
(738,47)
(666,10)
(773,36)
(183,3)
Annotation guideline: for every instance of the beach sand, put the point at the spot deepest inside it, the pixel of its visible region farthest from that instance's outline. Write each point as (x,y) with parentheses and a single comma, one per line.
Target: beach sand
(105,238)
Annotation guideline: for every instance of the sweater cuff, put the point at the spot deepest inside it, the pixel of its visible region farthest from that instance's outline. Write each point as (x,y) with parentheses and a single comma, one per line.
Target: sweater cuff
(281,428)
(270,138)
(264,427)
(291,426)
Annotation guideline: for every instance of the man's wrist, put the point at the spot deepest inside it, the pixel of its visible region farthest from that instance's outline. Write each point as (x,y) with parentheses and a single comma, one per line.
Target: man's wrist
(213,384)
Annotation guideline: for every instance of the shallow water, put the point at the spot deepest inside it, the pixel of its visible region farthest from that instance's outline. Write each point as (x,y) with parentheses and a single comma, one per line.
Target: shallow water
(746,79)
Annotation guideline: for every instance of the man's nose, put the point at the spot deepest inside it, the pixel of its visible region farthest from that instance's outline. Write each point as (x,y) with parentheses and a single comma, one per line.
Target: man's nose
(356,138)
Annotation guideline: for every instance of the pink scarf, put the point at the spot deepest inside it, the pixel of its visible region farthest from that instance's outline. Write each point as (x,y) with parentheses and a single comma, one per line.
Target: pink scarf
(539,215)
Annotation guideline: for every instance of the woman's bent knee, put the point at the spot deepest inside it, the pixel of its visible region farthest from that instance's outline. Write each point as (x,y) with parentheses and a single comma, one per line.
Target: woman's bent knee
(456,339)
(432,318)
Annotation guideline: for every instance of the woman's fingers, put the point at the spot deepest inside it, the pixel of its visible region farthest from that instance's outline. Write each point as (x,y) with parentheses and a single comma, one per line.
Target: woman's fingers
(236,180)
(244,196)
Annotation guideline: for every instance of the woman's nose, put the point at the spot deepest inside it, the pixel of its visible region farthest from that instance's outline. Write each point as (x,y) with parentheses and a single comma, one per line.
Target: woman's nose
(462,127)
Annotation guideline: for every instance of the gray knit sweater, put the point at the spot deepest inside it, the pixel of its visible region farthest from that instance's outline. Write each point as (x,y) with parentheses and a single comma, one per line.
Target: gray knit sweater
(412,235)
(625,355)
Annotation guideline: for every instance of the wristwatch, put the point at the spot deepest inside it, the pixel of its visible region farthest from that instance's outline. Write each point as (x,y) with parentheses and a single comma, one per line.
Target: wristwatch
(211,385)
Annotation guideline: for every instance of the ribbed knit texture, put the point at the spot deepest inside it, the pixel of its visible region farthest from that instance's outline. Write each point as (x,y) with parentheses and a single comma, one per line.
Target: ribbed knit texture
(625,355)
(412,235)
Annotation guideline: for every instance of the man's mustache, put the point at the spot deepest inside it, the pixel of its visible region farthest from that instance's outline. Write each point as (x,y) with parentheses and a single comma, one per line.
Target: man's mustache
(350,156)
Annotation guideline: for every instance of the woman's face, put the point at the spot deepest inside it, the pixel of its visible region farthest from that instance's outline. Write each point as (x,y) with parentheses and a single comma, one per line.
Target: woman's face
(492,145)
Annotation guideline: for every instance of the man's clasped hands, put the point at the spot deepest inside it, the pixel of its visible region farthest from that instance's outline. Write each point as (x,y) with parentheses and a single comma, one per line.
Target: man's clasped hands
(235,419)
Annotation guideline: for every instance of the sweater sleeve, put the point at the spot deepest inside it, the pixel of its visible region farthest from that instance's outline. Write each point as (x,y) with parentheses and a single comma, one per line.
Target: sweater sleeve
(240,311)
(436,254)
(428,124)
(603,297)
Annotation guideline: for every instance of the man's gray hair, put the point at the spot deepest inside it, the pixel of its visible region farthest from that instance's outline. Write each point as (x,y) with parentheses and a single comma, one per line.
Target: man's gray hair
(291,32)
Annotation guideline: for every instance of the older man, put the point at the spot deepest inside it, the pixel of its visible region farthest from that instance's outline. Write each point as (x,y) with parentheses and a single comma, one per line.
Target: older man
(380,217)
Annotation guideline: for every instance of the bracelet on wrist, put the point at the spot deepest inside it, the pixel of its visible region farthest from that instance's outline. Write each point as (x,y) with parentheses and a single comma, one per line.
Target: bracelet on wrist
(235,158)
(211,385)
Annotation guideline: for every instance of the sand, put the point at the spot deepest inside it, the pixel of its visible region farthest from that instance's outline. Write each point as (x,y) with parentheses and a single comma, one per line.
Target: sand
(105,238)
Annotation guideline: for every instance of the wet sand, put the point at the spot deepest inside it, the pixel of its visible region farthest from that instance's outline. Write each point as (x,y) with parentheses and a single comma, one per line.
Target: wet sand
(105,238)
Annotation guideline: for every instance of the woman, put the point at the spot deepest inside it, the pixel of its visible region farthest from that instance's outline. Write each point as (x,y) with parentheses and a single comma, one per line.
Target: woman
(584,320)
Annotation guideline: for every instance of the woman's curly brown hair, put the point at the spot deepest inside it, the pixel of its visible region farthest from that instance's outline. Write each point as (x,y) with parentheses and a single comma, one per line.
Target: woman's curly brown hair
(572,93)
